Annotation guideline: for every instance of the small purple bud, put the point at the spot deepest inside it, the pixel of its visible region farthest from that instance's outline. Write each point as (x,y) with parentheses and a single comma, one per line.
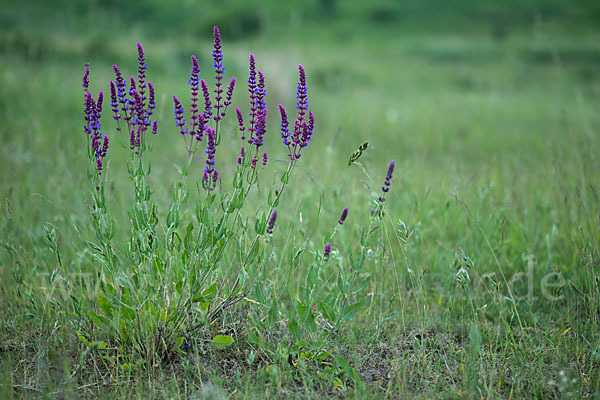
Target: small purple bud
(265,158)
(343,216)
(271,223)
(326,251)
(86,78)
(253,162)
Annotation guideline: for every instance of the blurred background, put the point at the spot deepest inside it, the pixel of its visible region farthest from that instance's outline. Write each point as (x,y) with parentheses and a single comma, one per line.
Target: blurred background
(486,106)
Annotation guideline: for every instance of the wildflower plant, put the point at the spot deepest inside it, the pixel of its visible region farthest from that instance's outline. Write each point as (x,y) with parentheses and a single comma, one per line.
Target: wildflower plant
(180,270)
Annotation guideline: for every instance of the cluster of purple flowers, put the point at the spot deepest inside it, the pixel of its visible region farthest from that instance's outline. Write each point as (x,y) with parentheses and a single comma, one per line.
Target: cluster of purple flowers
(257,123)
(220,108)
(200,121)
(132,105)
(303,125)
(92,127)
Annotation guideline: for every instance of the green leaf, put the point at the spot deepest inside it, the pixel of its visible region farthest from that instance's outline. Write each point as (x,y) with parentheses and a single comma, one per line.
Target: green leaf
(253,253)
(222,341)
(327,311)
(207,294)
(96,319)
(188,240)
(351,310)
(293,327)
(301,308)
(106,307)
(127,313)
(323,355)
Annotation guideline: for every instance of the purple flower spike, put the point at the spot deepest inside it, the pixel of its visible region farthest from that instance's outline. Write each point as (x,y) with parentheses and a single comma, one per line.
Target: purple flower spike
(179,120)
(210,173)
(253,163)
(285,132)
(252,85)
(86,78)
(343,216)
(240,119)
(219,70)
(154,127)
(142,67)
(388,177)
(228,96)
(301,93)
(261,126)
(265,159)
(271,223)
(92,115)
(326,251)
(99,103)
(194,83)
(303,129)
(207,104)
(132,85)
(121,87)
(114,103)
(307,129)
(151,102)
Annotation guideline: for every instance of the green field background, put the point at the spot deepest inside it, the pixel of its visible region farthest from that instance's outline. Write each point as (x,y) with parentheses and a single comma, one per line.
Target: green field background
(491,111)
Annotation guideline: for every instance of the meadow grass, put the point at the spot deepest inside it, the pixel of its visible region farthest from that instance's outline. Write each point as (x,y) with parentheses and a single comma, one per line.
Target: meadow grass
(491,291)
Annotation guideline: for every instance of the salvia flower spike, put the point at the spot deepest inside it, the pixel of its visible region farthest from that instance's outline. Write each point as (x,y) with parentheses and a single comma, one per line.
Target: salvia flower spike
(179,120)
(285,132)
(252,85)
(219,70)
(142,67)
(303,129)
(114,103)
(240,119)
(207,103)
(388,178)
(194,83)
(228,96)
(92,114)
(210,172)
(86,78)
